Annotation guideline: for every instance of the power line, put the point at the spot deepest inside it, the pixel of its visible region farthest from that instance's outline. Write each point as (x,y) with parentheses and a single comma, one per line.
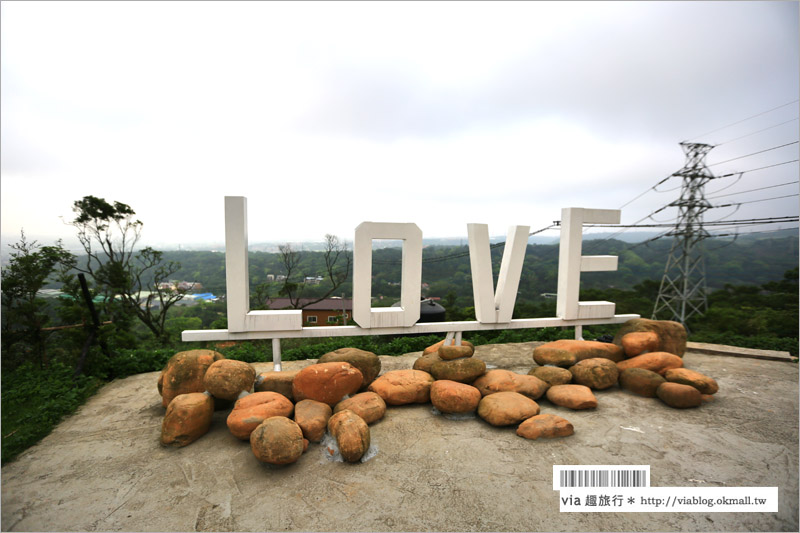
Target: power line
(760,168)
(740,222)
(751,232)
(754,153)
(466,254)
(759,131)
(746,119)
(653,188)
(728,186)
(753,190)
(756,201)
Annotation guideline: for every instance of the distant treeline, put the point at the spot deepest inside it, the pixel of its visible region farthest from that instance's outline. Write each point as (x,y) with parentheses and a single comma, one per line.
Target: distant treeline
(446,269)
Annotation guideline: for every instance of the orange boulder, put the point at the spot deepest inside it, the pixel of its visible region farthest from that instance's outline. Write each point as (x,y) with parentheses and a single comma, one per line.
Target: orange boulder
(567,352)
(278,441)
(312,417)
(671,335)
(701,382)
(678,395)
(368,405)
(658,362)
(546,426)
(187,419)
(399,387)
(184,373)
(506,408)
(639,342)
(499,380)
(272,381)
(433,348)
(351,434)
(327,382)
(248,412)
(454,397)
(596,373)
(228,378)
(572,396)
(640,381)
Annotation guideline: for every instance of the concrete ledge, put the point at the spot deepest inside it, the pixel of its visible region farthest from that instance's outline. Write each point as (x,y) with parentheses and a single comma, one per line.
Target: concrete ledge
(735,351)
(103,468)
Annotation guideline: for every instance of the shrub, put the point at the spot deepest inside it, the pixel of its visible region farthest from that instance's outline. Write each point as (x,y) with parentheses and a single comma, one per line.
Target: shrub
(35,400)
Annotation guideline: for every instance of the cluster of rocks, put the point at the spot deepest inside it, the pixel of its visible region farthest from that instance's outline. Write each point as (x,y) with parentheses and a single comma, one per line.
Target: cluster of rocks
(280,413)
(646,358)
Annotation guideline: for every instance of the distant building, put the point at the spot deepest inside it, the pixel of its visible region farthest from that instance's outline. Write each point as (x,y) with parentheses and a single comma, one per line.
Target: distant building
(327,312)
(190,286)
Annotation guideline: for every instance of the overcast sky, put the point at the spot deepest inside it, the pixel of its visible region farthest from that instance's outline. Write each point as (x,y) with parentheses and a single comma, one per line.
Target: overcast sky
(328,114)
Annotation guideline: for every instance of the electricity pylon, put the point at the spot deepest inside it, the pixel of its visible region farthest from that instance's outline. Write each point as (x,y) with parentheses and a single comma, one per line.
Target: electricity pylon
(683,287)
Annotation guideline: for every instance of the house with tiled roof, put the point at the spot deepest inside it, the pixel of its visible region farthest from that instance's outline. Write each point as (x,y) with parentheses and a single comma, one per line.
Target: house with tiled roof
(326,312)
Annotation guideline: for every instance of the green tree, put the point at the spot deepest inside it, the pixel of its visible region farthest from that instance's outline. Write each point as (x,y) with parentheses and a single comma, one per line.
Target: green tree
(337,260)
(24,317)
(109,234)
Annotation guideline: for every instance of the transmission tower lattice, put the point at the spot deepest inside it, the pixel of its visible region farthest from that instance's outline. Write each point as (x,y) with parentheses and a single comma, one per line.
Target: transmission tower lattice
(683,288)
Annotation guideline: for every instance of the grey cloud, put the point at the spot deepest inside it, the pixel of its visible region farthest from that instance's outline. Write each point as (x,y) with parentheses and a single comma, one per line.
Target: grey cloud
(679,71)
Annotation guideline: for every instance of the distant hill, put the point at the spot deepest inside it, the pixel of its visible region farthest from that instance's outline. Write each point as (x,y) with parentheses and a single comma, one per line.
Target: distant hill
(446,268)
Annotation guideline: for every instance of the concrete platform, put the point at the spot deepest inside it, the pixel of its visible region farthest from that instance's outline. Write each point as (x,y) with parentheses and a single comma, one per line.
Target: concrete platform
(104,470)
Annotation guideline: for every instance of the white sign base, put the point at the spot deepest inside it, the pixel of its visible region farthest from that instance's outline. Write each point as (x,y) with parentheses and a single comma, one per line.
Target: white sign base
(428,327)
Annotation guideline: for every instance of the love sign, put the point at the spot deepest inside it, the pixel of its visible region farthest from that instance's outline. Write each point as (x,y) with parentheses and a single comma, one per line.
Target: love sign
(493,305)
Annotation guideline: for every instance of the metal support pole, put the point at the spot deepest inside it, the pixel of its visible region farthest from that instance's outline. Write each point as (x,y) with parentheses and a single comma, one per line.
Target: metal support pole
(276,355)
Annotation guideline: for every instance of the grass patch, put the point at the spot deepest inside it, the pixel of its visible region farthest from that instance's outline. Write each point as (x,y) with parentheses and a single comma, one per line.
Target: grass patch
(34,401)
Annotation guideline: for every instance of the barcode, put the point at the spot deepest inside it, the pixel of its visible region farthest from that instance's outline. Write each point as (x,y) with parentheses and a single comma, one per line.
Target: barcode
(568,476)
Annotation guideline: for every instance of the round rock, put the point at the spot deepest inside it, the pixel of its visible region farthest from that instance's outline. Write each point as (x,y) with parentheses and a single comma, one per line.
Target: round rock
(567,352)
(639,342)
(184,373)
(640,381)
(425,362)
(546,426)
(227,379)
(464,370)
(280,382)
(596,373)
(499,380)
(433,348)
(312,417)
(448,353)
(248,412)
(671,335)
(506,408)
(368,405)
(678,395)
(701,382)
(327,382)
(351,433)
(572,396)
(366,362)
(277,440)
(658,362)
(552,374)
(454,397)
(187,419)
(400,387)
